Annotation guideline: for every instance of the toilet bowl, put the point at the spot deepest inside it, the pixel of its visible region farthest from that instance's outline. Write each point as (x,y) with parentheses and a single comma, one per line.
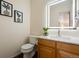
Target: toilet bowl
(28,49)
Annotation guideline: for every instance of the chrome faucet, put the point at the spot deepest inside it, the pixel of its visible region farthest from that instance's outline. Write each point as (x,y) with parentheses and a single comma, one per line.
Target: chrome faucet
(59,34)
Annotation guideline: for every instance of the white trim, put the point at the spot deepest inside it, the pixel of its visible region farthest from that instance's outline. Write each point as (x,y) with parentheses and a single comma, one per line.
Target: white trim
(60,27)
(55,2)
(48,13)
(73,12)
(46,22)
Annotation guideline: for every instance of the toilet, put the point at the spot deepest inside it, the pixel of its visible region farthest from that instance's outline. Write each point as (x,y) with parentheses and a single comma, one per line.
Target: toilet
(28,49)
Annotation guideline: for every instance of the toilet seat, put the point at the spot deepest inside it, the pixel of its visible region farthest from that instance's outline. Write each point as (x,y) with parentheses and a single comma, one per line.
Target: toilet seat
(27,48)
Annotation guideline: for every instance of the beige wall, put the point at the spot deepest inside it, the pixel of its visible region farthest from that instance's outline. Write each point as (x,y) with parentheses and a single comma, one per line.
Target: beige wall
(36,17)
(13,35)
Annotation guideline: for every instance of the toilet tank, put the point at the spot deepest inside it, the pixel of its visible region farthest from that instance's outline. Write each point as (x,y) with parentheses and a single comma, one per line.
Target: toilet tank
(33,40)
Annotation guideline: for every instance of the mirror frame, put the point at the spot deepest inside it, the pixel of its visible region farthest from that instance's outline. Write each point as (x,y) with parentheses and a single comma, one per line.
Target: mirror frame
(47,16)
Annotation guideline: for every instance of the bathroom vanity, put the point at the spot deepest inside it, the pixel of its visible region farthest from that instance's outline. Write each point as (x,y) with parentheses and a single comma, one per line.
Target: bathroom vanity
(57,47)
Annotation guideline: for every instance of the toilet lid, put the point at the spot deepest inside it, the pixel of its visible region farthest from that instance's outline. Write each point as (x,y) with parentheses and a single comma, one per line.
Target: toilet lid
(27,46)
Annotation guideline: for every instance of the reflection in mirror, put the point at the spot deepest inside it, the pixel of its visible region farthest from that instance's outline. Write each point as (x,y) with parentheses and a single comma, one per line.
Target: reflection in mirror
(64,19)
(61,14)
(77,14)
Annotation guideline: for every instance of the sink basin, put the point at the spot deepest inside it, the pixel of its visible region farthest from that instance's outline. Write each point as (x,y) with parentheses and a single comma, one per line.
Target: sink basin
(67,38)
(60,37)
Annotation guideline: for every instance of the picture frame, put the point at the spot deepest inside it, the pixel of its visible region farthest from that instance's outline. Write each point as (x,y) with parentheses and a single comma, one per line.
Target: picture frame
(18,16)
(6,9)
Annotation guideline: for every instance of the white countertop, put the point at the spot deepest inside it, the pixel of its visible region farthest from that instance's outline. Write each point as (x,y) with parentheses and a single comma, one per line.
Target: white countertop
(66,39)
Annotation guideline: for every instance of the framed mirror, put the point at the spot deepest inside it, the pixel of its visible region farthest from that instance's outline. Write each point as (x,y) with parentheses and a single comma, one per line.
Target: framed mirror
(60,14)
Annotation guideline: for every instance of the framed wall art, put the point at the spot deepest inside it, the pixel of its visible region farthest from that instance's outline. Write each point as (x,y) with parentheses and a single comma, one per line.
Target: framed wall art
(6,8)
(18,16)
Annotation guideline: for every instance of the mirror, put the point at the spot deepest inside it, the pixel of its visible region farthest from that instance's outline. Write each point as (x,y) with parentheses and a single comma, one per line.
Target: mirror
(60,14)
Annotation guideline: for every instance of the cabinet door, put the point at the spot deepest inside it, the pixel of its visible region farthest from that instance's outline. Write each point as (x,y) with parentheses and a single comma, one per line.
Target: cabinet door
(45,52)
(68,47)
(64,54)
(46,42)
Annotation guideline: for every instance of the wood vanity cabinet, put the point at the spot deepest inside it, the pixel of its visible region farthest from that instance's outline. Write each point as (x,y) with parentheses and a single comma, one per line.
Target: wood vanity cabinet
(66,50)
(55,49)
(46,48)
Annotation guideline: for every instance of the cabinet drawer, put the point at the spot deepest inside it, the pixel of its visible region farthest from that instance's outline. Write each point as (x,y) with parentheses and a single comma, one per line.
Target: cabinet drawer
(68,47)
(45,42)
(46,52)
